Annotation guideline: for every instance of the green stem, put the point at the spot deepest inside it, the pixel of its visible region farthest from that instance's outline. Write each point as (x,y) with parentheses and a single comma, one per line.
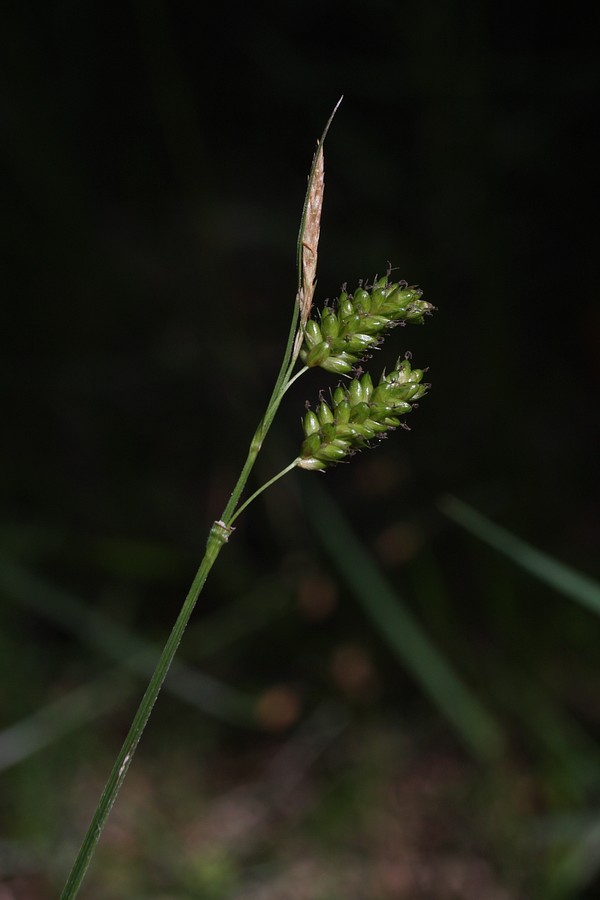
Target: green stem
(218,536)
(290,356)
(284,381)
(255,445)
(289,382)
(267,484)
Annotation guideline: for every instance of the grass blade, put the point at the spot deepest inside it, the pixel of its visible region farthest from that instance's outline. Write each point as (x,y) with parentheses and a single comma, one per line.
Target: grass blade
(398,627)
(60,717)
(138,655)
(557,575)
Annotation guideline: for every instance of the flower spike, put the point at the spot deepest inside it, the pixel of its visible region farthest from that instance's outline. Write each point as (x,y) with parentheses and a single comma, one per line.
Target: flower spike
(356,323)
(358,415)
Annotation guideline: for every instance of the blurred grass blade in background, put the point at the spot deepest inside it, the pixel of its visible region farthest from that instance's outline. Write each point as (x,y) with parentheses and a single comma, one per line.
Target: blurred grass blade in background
(380,601)
(94,629)
(60,717)
(557,575)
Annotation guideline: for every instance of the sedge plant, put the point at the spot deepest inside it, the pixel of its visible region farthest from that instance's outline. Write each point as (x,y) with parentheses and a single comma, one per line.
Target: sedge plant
(357,414)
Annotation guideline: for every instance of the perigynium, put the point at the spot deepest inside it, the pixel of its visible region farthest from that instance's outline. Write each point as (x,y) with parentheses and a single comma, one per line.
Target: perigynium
(357,414)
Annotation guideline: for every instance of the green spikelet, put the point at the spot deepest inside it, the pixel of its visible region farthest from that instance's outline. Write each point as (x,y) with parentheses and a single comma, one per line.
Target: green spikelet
(356,323)
(359,414)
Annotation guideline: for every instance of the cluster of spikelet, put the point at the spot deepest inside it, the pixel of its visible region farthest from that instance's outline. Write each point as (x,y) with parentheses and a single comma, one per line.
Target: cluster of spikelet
(356,323)
(360,412)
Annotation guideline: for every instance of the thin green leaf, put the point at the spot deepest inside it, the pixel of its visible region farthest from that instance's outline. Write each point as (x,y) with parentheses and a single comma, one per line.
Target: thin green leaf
(60,717)
(94,629)
(398,627)
(556,574)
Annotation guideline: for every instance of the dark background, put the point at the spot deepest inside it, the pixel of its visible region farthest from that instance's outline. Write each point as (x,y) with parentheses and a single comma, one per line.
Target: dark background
(155,158)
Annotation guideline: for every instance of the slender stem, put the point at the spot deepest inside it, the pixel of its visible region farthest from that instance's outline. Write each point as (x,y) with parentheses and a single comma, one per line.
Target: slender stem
(290,381)
(217,538)
(283,383)
(292,349)
(267,484)
(219,535)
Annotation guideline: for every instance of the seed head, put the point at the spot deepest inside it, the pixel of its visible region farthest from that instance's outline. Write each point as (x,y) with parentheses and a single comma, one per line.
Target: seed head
(358,415)
(356,323)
